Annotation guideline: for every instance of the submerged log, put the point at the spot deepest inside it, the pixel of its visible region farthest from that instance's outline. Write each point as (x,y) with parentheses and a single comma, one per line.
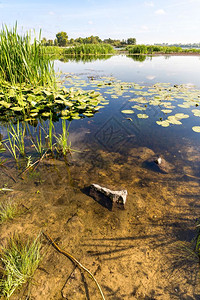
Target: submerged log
(107,197)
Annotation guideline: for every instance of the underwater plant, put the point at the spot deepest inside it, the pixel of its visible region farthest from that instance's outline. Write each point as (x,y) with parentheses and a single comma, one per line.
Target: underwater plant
(19,261)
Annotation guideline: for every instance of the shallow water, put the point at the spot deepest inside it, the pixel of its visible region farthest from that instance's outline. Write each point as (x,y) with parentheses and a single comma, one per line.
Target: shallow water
(142,252)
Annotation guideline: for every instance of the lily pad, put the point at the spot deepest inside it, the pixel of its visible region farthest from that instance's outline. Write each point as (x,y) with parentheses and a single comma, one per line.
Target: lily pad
(142,116)
(163,123)
(127,111)
(196,129)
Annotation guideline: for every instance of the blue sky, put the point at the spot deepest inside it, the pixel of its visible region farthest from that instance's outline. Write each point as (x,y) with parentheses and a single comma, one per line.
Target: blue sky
(149,21)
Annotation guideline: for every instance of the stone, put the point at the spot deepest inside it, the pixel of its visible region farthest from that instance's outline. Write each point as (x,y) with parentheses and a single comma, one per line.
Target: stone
(107,197)
(158,163)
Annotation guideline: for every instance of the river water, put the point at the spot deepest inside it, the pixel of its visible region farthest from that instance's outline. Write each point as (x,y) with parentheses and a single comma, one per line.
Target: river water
(150,110)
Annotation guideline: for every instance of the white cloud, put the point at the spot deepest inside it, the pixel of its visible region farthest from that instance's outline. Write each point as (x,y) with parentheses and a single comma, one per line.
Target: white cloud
(160,12)
(90,22)
(51,13)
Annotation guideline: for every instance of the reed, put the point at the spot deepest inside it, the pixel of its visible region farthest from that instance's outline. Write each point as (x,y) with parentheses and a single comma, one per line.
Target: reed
(15,139)
(38,144)
(50,135)
(23,61)
(87,49)
(62,144)
(150,49)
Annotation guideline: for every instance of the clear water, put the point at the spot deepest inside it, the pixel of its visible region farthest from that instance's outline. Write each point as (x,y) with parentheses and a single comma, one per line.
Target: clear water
(174,70)
(138,250)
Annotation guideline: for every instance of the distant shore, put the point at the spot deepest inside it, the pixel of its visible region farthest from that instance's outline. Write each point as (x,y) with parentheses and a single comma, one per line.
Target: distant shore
(160,53)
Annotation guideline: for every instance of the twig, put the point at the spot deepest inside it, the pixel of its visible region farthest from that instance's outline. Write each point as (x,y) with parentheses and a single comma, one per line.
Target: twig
(34,164)
(75,261)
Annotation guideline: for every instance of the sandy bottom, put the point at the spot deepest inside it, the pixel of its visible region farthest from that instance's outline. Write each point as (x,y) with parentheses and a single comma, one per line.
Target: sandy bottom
(142,252)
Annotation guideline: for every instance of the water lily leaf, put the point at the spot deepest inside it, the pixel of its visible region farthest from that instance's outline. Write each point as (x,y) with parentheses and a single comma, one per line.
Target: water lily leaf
(33,114)
(196,128)
(196,112)
(75,117)
(181,116)
(47,93)
(127,111)
(59,101)
(184,105)
(5,104)
(11,93)
(46,114)
(139,107)
(142,116)
(88,114)
(17,108)
(173,120)
(166,111)
(163,123)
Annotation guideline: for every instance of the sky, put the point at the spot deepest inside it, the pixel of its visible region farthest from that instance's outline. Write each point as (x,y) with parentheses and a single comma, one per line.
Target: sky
(149,21)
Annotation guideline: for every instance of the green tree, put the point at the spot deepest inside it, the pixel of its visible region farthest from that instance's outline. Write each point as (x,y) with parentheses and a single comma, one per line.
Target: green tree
(56,42)
(131,41)
(49,43)
(71,41)
(44,41)
(62,38)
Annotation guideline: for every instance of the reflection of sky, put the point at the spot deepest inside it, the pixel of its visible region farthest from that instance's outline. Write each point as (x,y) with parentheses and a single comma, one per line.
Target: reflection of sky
(173,69)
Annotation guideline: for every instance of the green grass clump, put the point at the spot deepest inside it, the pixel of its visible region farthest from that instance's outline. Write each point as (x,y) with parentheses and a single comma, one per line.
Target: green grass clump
(23,61)
(87,49)
(8,210)
(19,262)
(62,141)
(150,49)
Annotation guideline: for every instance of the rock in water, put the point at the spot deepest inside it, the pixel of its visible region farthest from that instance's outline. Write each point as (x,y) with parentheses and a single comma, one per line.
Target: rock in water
(164,165)
(159,164)
(107,197)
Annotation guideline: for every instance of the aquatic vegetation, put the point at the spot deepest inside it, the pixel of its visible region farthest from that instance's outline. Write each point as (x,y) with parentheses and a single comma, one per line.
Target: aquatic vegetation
(38,144)
(2,149)
(28,103)
(24,61)
(29,87)
(86,49)
(127,111)
(62,143)
(15,141)
(142,116)
(165,97)
(83,58)
(8,210)
(50,134)
(151,49)
(196,128)
(19,262)
(12,145)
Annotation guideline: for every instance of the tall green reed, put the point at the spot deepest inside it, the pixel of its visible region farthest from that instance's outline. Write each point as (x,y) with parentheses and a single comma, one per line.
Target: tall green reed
(15,141)
(86,49)
(37,142)
(24,61)
(62,140)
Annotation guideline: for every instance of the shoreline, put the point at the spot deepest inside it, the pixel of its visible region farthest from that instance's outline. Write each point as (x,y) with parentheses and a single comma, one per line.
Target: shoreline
(162,54)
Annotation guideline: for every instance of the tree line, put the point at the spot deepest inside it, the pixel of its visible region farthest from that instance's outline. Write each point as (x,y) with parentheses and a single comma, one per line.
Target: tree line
(62,40)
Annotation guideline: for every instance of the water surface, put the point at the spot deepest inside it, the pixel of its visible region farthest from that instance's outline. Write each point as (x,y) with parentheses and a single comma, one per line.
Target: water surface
(136,253)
